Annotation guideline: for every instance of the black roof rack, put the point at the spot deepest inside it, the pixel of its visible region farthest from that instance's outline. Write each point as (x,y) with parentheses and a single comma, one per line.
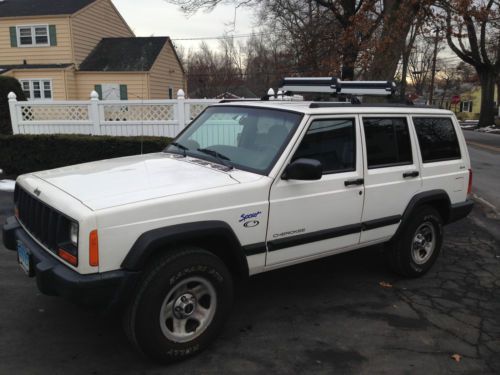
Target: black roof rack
(334,86)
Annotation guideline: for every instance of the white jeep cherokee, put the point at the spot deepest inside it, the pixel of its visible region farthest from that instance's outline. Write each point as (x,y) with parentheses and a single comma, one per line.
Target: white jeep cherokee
(246,188)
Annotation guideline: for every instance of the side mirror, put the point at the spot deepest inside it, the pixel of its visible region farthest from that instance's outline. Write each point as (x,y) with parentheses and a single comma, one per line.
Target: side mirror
(303,169)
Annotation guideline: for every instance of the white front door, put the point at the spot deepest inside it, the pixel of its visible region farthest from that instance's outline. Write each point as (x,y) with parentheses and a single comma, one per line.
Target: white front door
(392,173)
(316,218)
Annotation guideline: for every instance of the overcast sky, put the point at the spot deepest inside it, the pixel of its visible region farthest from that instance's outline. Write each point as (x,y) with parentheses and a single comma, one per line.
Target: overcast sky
(159,18)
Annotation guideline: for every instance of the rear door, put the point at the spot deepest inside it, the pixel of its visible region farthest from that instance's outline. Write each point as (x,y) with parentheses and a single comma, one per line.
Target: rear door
(313,218)
(392,173)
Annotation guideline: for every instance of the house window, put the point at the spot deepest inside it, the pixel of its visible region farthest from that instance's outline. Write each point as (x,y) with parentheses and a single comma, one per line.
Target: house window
(170,93)
(33,36)
(466,106)
(37,89)
(112,91)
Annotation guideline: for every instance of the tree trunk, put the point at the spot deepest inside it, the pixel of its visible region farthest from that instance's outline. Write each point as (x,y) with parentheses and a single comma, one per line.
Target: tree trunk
(348,62)
(404,73)
(487,78)
(399,16)
(498,97)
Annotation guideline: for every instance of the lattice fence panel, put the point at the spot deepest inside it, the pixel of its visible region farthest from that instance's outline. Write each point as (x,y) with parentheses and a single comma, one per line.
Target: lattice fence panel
(139,112)
(55,113)
(196,109)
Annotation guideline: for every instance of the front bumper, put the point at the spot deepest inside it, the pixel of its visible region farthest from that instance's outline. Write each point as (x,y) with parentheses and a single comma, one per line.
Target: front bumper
(105,290)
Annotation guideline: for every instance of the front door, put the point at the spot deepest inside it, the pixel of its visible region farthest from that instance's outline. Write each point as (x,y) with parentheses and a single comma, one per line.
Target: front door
(310,219)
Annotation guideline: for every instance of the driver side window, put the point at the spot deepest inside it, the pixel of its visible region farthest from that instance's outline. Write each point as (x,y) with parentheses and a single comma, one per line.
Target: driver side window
(332,142)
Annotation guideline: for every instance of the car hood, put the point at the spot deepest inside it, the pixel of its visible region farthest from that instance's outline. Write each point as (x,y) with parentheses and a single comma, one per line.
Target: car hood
(109,183)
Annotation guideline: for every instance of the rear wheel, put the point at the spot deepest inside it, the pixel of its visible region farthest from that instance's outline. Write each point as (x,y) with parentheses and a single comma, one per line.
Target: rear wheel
(181,304)
(417,247)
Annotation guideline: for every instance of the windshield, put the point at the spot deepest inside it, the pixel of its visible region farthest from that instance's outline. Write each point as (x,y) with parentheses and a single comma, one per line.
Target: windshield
(241,137)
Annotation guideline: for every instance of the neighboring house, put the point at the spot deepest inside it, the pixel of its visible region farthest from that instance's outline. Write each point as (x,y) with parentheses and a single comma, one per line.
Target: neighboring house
(63,50)
(470,104)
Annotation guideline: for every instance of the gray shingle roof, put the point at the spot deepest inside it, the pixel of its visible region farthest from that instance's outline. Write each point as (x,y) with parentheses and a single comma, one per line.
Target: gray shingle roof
(20,8)
(124,54)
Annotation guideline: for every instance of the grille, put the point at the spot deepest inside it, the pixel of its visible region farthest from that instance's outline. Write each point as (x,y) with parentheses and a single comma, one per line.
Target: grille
(43,222)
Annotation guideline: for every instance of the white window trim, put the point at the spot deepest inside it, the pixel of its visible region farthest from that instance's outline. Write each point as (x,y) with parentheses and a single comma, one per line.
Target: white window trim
(42,91)
(466,105)
(33,36)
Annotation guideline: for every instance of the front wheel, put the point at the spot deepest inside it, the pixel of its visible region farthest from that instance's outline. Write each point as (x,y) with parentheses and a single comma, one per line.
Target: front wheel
(416,249)
(181,304)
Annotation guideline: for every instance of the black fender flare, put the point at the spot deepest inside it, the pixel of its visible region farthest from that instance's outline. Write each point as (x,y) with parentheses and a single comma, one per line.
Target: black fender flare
(158,238)
(426,197)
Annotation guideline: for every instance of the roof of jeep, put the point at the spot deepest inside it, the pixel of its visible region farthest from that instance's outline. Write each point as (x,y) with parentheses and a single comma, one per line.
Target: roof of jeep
(337,108)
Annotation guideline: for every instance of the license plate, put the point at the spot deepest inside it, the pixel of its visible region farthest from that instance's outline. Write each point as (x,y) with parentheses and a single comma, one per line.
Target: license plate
(24,258)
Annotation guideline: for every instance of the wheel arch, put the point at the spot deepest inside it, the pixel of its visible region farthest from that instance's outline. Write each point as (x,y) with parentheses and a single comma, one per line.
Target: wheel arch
(438,198)
(214,236)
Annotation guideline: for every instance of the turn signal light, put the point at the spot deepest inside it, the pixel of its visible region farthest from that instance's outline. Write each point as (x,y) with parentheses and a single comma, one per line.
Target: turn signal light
(94,249)
(469,187)
(68,257)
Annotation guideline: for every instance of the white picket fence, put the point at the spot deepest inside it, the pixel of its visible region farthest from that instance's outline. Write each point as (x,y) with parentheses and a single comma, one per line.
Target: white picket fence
(161,118)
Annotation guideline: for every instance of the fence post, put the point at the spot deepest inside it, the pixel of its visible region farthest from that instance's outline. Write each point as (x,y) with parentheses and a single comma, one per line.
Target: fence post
(13,112)
(94,112)
(270,93)
(181,110)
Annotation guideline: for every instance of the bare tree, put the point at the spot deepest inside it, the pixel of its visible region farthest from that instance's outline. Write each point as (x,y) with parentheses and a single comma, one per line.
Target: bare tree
(473,33)
(420,63)
(365,38)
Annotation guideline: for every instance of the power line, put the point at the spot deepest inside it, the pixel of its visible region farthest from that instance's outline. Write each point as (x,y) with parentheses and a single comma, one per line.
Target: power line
(218,37)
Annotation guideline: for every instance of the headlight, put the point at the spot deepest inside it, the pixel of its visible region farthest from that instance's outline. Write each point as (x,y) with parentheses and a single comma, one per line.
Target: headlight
(73,234)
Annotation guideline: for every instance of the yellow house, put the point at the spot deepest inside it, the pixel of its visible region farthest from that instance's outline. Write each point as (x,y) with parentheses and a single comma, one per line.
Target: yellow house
(470,104)
(63,50)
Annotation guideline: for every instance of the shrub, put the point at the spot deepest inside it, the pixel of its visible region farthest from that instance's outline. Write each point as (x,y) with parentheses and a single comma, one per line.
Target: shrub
(7,85)
(30,153)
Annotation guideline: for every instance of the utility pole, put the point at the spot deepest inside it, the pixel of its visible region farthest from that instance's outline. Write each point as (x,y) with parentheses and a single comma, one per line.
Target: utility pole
(436,40)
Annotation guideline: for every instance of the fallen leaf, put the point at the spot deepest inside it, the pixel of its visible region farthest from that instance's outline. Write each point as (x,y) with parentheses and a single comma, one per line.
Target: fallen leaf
(456,357)
(385,284)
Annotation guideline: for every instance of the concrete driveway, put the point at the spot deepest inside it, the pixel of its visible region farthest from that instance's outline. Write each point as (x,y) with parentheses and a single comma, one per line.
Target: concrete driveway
(327,317)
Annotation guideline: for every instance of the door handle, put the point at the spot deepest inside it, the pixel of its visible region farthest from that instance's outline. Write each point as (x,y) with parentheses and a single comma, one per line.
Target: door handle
(411,174)
(358,181)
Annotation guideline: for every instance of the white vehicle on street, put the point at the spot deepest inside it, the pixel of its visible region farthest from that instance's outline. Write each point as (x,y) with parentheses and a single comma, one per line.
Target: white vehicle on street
(247,188)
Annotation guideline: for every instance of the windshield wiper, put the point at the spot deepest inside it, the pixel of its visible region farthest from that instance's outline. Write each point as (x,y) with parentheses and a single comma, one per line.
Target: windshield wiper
(223,159)
(179,146)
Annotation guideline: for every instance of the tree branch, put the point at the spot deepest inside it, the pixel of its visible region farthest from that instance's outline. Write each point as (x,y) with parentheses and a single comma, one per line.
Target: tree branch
(484,53)
(460,53)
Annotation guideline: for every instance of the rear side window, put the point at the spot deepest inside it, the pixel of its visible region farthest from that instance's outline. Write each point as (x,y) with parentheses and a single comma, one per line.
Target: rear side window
(387,141)
(332,142)
(437,138)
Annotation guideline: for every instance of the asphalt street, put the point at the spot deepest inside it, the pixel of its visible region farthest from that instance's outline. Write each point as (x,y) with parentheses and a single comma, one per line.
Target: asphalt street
(484,150)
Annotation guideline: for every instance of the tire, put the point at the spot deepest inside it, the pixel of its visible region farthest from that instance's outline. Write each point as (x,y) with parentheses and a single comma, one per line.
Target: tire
(417,247)
(181,303)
